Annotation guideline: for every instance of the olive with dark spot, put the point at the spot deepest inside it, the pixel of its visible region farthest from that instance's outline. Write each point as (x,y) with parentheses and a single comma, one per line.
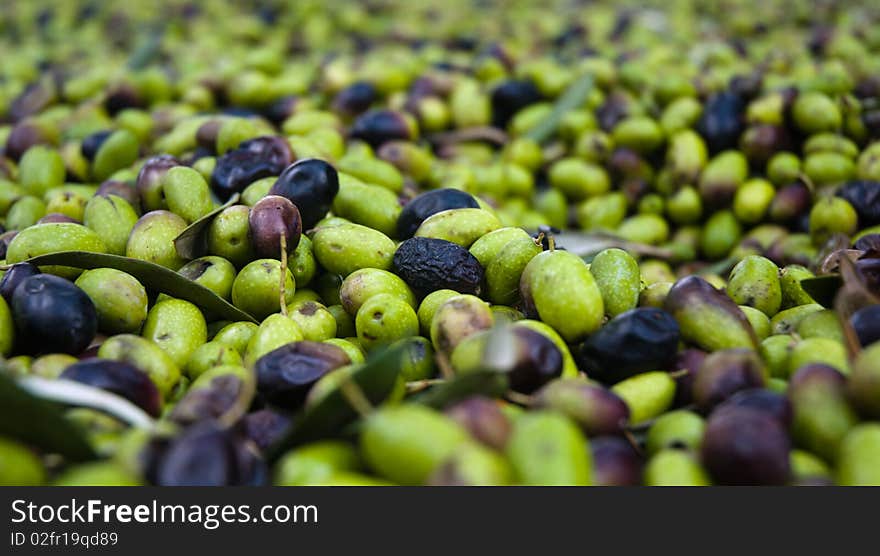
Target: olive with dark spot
(638,340)
(256,158)
(285,374)
(120,378)
(53,316)
(272,218)
(311,184)
(429,264)
(437,200)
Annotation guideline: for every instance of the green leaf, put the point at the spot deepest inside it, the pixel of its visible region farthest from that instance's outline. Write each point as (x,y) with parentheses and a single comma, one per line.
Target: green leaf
(573,97)
(192,242)
(152,276)
(823,289)
(39,423)
(376,379)
(482,383)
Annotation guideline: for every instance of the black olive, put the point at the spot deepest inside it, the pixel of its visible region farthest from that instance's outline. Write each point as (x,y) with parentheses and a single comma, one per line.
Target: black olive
(355,99)
(311,184)
(91,144)
(120,378)
(722,121)
(270,219)
(378,126)
(16,274)
(864,196)
(285,375)
(281,109)
(865,321)
(428,264)
(437,200)
(53,316)
(638,340)
(615,462)
(744,446)
(252,160)
(510,97)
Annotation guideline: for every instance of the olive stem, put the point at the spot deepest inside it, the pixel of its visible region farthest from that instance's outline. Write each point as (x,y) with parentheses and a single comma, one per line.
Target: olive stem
(356,398)
(419,385)
(282,288)
(679,373)
(520,399)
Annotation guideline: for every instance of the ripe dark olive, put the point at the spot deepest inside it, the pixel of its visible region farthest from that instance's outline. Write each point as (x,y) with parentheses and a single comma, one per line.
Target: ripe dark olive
(377,126)
(355,99)
(437,200)
(285,375)
(687,363)
(721,122)
(265,427)
(310,184)
(615,462)
(790,202)
(744,446)
(724,373)
(484,419)
(207,455)
(252,160)
(638,340)
(281,109)
(271,218)
(124,96)
(429,264)
(597,410)
(22,137)
(16,274)
(53,316)
(91,144)
(202,404)
(772,403)
(817,374)
(120,378)
(761,142)
(510,97)
(537,361)
(865,321)
(864,196)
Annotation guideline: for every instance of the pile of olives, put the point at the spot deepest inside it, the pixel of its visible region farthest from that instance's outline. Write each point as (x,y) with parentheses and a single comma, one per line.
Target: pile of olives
(656,230)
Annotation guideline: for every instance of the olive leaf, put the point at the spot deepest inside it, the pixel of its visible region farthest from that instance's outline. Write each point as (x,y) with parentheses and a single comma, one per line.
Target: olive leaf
(375,379)
(192,242)
(39,423)
(588,244)
(491,384)
(572,98)
(152,276)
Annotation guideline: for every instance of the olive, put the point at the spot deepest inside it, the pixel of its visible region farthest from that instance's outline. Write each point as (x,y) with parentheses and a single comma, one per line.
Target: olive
(615,462)
(5,239)
(285,374)
(93,142)
(724,373)
(265,427)
(722,121)
(149,180)
(122,97)
(745,446)
(484,419)
(865,322)
(16,274)
(597,410)
(430,264)
(378,126)
(121,189)
(253,159)
(638,340)
(510,97)
(772,403)
(53,316)
(311,184)
(120,378)
(23,136)
(355,99)
(864,196)
(537,361)
(431,202)
(272,218)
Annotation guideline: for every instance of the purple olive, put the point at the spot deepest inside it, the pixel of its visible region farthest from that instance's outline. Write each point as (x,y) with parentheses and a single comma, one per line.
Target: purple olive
(745,446)
(772,403)
(484,419)
(285,375)
(615,462)
(724,373)
(15,276)
(270,219)
(53,316)
(597,410)
(265,427)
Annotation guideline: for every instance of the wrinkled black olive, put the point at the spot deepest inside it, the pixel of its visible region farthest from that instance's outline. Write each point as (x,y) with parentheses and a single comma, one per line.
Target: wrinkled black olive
(91,144)
(744,446)
(311,184)
(722,122)
(265,427)
(864,196)
(53,316)
(510,97)
(120,378)
(252,160)
(865,321)
(378,126)
(772,403)
(431,202)
(355,99)
(615,462)
(638,340)
(285,375)
(429,264)
(270,218)
(16,274)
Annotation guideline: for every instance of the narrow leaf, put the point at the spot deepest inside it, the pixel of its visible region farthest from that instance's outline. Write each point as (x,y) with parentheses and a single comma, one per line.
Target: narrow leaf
(152,276)
(574,97)
(193,241)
